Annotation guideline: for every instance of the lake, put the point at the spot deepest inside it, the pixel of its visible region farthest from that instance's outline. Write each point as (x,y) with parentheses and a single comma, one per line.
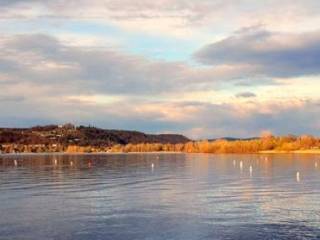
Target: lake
(159,196)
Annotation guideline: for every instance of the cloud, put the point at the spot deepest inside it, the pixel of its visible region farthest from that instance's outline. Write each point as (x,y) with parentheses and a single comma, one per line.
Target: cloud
(195,119)
(10,2)
(251,118)
(44,60)
(178,18)
(273,54)
(11,98)
(197,9)
(47,81)
(246,95)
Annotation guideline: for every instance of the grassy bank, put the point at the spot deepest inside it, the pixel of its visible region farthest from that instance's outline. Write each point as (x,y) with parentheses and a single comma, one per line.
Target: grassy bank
(308,151)
(270,144)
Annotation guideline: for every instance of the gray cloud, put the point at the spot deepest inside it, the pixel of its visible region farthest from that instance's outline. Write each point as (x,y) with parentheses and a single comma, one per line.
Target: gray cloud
(11,2)
(12,98)
(195,119)
(246,95)
(273,54)
(44,79)
(292,119)
(45,61)
(232,122)
(47,73)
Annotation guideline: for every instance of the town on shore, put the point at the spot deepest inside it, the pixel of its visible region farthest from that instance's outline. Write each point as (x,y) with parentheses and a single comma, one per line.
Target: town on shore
(69,138)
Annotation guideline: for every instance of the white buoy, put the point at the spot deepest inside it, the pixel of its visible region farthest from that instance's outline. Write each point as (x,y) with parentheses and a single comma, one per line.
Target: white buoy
(298,176)
(241,165)
(316,164)
(250,169)
(15,162)
(71,163)
(234,163)
(55,162)
(152,166)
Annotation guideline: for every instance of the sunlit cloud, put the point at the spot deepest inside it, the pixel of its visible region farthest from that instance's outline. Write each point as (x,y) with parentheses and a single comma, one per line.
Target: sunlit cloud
(207,68)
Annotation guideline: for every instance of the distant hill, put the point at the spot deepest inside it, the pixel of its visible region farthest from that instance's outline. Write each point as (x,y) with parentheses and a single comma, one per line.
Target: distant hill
(231,139)
(83,136)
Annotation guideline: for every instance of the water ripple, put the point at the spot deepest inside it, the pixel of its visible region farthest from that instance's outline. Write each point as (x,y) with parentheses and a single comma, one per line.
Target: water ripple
(182,196)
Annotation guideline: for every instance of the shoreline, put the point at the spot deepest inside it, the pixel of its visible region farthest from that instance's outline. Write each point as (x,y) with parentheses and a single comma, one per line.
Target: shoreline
(315,152)
(84,153)
(310,151)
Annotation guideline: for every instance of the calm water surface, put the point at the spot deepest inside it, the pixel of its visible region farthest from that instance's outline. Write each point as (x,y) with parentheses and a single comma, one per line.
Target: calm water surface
(160,196)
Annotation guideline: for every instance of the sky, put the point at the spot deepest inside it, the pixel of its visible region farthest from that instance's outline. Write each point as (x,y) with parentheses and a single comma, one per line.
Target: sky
(202,68)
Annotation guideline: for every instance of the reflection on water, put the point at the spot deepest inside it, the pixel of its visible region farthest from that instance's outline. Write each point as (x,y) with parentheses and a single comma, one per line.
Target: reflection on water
(159,196)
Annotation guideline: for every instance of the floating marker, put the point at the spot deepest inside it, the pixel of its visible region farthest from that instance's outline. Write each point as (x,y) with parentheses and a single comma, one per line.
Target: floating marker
(55,162)
(241,165)
(152,165)
(15,162)
(250,170)
(71,163)
(298,176)
(316,164)
(234,162)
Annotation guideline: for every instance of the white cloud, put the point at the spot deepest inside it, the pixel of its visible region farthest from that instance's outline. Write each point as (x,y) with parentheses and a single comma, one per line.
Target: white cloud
(65,76)
(44,60)
(179,18)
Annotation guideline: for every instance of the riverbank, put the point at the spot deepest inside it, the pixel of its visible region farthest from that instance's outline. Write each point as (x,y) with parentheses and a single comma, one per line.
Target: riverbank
(266,145)
(160,152)
(309,151)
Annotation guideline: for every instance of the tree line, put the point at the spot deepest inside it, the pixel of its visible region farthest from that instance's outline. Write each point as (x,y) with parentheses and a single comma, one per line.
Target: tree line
(266,143)
(269,143)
